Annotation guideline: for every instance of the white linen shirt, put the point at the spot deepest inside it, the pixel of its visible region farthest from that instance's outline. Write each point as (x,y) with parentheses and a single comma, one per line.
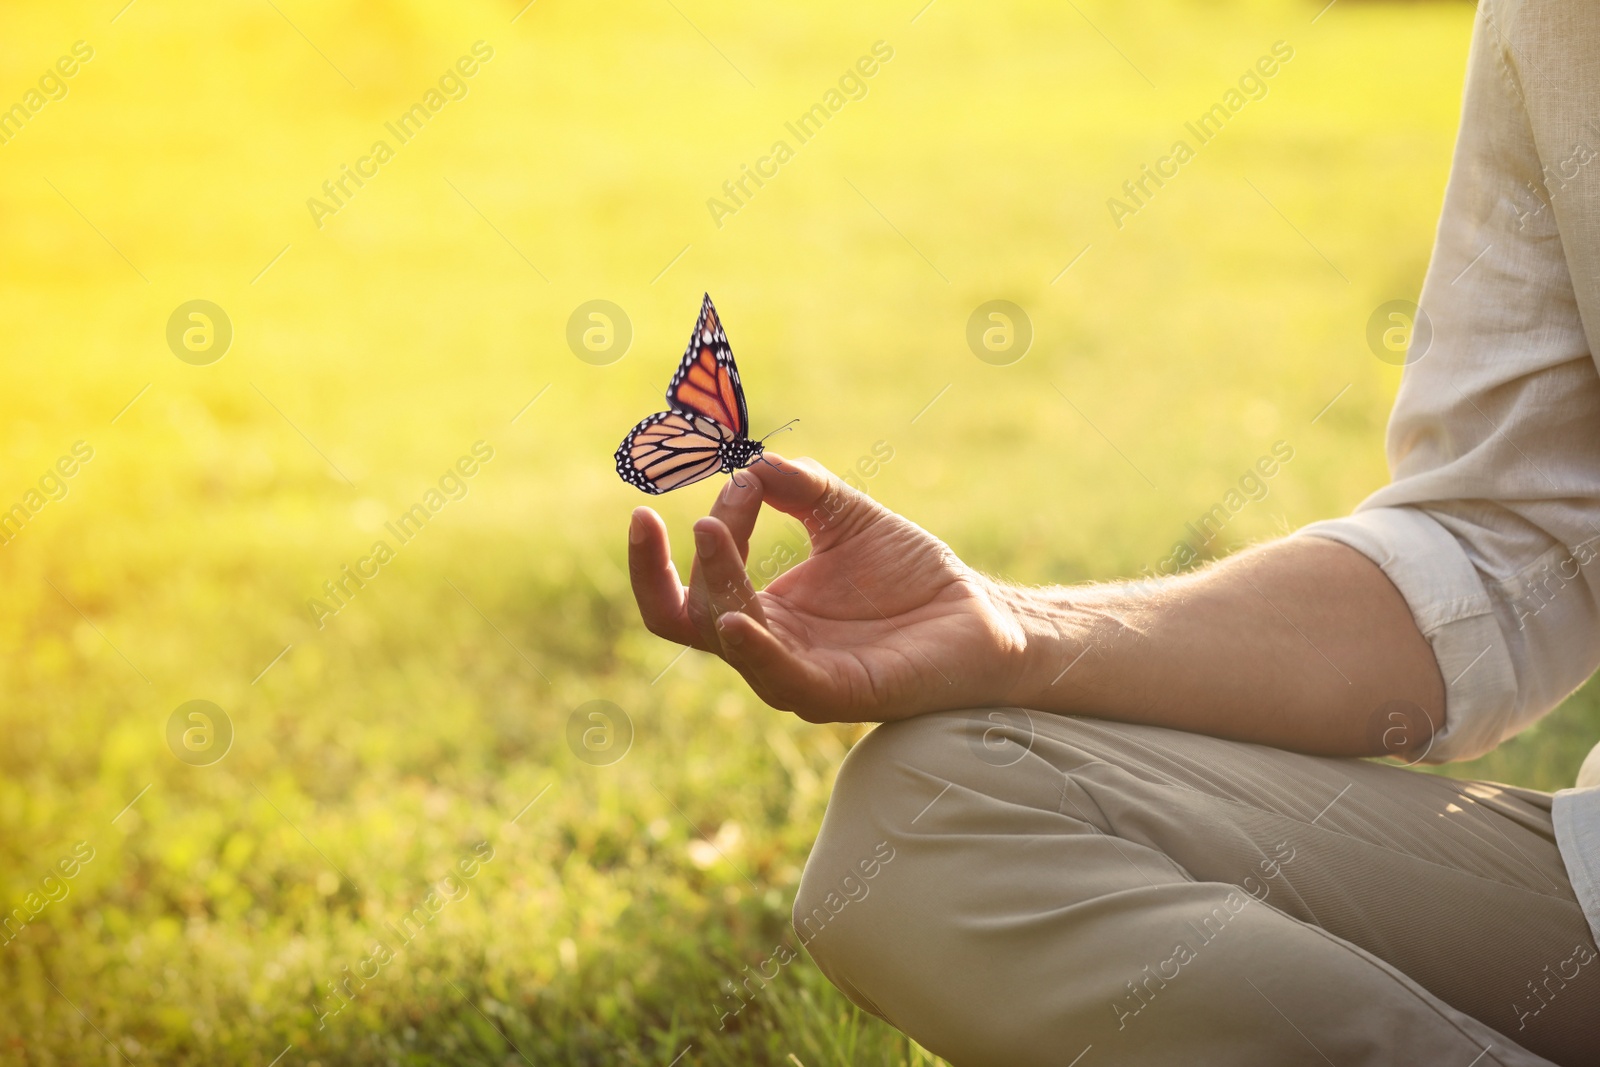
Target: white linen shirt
(1490,528)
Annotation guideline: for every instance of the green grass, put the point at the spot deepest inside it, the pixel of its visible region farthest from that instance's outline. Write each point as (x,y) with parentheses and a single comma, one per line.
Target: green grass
(378,751)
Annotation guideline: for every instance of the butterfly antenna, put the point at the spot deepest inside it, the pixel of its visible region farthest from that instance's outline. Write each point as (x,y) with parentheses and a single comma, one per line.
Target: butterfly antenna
(782,428)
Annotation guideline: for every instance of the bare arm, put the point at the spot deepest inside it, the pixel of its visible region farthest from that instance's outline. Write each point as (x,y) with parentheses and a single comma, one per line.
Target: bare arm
(1301,643)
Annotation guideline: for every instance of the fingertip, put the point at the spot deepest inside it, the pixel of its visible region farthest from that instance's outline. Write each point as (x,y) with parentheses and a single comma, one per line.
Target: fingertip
(708,525)
(710,533)
(740,492)
(639,525)
(656,587)
(787,465)
(746,644)
(792,480)
(730,625)
(737,506)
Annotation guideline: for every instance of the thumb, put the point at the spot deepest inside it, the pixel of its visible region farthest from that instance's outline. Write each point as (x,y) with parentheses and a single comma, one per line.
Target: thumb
(829,509)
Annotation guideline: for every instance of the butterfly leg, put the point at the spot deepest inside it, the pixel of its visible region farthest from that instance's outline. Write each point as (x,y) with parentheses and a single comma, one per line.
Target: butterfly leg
(769,463)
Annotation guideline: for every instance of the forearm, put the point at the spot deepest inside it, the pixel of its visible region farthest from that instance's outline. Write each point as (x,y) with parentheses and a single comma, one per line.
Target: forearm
(1301,643)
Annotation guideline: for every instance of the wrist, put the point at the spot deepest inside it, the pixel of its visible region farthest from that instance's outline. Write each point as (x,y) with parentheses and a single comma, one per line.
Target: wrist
(1051,639)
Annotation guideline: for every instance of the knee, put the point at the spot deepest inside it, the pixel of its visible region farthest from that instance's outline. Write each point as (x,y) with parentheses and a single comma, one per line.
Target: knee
(832,916)
(869,793)
(922,792)
(849,888)
(908,805)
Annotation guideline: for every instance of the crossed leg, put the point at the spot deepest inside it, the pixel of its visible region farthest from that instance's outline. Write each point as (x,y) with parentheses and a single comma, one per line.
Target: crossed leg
(1013,887)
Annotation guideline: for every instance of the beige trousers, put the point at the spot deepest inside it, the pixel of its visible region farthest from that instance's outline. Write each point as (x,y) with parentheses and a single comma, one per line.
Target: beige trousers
(1015,888)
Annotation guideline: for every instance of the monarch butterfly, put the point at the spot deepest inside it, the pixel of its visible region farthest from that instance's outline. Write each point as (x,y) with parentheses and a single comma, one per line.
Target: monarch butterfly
(706,430)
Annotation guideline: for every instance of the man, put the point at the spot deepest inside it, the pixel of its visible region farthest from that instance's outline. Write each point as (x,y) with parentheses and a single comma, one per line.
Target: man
(1200,873)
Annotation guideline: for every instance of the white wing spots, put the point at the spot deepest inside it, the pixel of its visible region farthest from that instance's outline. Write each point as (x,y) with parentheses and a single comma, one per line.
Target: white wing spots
(683,445)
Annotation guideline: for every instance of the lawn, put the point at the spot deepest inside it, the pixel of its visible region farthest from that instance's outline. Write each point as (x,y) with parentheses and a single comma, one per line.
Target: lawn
(411,760)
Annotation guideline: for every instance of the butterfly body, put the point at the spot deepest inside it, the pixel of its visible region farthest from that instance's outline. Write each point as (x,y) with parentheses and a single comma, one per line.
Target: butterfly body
(706,430)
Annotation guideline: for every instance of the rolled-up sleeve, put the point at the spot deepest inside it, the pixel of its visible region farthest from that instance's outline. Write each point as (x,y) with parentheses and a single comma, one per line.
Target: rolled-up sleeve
(1490,528)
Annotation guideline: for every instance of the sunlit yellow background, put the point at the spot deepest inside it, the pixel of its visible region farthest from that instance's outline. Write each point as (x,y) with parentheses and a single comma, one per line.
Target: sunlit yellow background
(372,754)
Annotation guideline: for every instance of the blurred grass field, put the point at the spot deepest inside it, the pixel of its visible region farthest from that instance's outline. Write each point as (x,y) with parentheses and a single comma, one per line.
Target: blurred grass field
(379,750)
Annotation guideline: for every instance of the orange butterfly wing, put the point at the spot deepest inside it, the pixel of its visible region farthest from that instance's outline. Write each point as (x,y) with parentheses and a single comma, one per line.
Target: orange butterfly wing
(670,450)
(707,429)
(707,380)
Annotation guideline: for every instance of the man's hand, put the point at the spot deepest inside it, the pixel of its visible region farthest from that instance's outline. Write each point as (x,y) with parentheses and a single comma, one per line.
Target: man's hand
(1300,643)
(881,621)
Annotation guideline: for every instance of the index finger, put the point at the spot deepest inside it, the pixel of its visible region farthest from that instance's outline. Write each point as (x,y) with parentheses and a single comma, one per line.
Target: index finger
(737,507)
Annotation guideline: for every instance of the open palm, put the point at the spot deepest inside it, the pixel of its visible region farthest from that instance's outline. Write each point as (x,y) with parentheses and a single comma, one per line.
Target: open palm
(882,621)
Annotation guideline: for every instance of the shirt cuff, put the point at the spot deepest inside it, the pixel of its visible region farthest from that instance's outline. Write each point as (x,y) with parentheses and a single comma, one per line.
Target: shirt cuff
(1576,814)
(1451,608)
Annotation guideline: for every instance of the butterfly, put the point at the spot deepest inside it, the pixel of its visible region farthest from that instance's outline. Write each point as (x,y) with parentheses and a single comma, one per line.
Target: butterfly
(707,429)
